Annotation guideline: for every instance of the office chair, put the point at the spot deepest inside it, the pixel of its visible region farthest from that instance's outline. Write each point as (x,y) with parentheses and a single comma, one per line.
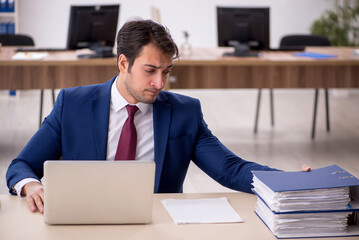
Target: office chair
(299,41)
(16,40)
(24,40)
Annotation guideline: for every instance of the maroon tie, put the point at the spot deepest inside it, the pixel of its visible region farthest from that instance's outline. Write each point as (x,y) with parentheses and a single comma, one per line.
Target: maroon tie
(126,148)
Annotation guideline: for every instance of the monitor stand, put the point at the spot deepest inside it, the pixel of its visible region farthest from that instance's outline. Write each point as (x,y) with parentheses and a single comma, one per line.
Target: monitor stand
(242,50)
(101,52)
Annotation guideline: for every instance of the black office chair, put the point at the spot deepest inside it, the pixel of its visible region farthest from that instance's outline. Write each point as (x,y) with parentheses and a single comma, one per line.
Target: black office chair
(24,40)
(16,40)
(291,41)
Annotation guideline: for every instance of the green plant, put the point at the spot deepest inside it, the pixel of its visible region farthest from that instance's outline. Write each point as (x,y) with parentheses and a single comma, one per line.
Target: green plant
(341,24)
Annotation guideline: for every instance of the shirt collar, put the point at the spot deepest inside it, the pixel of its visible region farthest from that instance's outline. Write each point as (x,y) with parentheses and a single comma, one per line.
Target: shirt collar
(118,102)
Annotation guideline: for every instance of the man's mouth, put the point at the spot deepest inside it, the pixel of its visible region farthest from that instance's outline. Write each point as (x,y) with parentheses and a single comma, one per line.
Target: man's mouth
(154,91)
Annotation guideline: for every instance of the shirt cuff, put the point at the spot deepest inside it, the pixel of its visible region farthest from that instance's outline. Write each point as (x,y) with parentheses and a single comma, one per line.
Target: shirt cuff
(17,188)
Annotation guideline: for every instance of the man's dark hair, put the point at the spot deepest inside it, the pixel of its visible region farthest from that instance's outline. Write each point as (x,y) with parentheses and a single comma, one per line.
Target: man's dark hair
(134,35)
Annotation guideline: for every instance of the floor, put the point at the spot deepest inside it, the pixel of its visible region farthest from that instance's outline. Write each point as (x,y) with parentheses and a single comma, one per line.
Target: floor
(230,115)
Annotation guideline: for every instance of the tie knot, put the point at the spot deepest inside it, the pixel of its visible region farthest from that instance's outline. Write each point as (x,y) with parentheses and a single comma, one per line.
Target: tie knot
(131,109)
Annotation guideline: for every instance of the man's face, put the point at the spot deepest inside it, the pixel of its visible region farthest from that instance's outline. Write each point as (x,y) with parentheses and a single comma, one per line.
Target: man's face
(149,74)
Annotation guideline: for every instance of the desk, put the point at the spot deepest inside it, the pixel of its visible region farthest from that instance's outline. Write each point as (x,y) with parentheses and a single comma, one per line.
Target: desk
(58,70)
(205,68)
(15,215)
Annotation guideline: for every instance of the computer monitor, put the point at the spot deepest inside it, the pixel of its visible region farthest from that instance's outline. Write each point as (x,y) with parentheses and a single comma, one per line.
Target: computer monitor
(243,28)
(93,27)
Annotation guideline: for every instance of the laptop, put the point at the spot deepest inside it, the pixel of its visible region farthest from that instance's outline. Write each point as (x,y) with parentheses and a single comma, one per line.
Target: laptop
(98,192)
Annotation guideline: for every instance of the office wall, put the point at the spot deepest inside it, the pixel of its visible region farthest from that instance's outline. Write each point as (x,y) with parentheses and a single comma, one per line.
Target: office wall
(47,21)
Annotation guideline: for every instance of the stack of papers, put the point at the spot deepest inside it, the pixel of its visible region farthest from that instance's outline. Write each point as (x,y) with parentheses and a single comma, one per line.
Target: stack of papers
(214,210)
(306,204)
(29,56)
(303,224)
(306,200)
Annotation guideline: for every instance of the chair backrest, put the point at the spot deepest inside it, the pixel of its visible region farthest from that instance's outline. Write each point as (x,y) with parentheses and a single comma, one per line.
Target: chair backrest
(304,40)
(16,40)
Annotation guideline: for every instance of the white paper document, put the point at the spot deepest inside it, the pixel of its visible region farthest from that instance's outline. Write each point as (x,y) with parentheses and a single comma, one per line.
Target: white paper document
(217,210)
(29,55)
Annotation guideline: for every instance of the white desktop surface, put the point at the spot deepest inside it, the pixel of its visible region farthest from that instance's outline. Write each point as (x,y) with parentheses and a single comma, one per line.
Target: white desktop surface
(17,222)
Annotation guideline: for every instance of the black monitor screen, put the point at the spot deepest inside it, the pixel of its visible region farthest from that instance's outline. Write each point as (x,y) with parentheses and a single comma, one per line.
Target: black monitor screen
(92,26)
(248,26)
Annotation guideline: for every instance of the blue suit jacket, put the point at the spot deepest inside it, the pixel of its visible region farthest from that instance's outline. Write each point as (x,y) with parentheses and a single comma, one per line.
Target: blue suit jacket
(77,129)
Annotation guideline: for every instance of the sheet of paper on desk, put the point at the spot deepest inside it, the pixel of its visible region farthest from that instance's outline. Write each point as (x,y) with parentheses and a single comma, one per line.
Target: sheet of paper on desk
(29,55)
(217,210)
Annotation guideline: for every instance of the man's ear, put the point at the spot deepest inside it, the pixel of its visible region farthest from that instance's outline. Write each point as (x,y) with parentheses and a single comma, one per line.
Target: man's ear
(122,63)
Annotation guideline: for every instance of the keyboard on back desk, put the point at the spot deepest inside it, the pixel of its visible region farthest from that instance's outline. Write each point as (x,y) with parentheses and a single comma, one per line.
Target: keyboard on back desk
(40,49)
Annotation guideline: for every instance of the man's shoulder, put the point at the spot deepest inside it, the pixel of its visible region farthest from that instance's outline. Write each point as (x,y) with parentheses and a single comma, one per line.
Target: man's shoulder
(86,90)
(174,98)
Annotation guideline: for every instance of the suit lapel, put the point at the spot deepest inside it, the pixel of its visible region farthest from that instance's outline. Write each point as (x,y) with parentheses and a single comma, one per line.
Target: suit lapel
(101,112)
(161,123)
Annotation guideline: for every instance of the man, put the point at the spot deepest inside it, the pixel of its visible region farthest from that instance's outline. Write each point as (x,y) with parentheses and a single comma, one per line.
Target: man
(87,121)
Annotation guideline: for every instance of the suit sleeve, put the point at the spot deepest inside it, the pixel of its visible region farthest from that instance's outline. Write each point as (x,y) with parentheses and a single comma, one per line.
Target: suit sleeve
(44,145)
(220,163)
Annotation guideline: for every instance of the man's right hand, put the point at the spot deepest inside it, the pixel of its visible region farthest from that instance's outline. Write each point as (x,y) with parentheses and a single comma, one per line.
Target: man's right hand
(34,193)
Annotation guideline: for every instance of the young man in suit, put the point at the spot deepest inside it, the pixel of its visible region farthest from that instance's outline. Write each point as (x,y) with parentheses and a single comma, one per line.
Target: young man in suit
(86,123)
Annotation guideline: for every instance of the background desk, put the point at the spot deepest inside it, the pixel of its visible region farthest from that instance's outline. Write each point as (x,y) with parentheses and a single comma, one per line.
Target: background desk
(58,70)
(17,222)
(205,68)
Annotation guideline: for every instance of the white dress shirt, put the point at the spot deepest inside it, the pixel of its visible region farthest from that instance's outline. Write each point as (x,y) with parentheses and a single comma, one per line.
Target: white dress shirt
(144,126)
(118,114)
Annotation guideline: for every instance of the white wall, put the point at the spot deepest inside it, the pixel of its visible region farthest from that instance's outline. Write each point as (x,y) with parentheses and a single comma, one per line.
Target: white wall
(47,20)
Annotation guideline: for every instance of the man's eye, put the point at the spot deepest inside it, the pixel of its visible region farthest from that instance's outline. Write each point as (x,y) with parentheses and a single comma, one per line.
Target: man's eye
(167,72)
(149,70)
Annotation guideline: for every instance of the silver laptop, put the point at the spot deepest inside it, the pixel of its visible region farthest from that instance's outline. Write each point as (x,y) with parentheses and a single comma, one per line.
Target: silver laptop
(98,192)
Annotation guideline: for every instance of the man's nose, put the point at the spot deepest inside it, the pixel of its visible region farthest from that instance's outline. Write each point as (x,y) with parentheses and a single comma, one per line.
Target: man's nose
(159,81)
